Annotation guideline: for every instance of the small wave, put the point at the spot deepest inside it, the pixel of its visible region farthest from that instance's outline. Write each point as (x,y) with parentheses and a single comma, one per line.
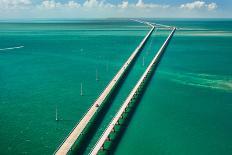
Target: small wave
(201,80)
(11,48)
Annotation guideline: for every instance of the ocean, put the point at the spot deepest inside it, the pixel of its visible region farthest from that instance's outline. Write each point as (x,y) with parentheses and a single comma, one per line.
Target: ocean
(185,109)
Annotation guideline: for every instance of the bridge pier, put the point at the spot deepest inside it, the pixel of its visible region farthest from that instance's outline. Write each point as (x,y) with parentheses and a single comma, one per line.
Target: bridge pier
(133,95)
(108,138)
(65,146)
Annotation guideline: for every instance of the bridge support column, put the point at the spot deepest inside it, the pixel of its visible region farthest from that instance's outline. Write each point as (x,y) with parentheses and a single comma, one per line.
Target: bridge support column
(126,109)
(108,138)
(102,148)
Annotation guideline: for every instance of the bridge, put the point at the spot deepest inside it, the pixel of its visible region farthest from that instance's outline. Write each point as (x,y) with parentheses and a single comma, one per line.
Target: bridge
(131,98)
(68,143)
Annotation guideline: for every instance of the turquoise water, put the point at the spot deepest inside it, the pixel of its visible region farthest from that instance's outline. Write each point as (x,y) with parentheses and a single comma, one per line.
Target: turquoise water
(46,73)
(186,108)
(150,49)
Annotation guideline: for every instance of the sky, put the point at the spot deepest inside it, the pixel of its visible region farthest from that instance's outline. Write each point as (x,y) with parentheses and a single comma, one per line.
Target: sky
(23,9)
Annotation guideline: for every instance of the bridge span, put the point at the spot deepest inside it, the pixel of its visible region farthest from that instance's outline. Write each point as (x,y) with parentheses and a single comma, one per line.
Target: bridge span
(131,98)
(78,130)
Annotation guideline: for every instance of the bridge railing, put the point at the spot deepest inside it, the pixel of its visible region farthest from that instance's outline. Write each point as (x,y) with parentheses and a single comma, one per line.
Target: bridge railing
(72,137)
(115,121)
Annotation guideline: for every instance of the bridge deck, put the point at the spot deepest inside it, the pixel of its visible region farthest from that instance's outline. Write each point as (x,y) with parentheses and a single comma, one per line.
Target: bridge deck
(66,146)
(133,93)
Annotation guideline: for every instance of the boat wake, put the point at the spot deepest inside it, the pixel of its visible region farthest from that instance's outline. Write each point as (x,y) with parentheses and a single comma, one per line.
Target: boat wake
(11,48)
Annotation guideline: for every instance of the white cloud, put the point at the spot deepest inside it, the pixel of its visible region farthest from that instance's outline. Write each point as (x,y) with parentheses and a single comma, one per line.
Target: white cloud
(97,4)
(193,5)
(50,4)
(212,6)
(102,8)
(141,4)
(73,4)
(14,4)
(91,3)
(124,5)
(198,5)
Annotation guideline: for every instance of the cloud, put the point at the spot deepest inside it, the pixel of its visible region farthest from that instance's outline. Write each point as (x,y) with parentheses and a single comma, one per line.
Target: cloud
(141,4)
(212,6)
(101,8)
(193,5)
(124,5)
(198,5)
(97,4)
(52,4)
(91,3)
(14,4)
(73,4)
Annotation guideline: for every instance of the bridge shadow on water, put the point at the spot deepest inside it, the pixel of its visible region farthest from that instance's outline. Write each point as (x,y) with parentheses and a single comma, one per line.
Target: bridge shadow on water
(82,143)
(116,136)
(110,147)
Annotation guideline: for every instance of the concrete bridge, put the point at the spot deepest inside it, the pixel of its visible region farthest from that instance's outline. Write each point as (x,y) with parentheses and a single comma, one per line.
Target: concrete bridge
(131,98)
(67,144)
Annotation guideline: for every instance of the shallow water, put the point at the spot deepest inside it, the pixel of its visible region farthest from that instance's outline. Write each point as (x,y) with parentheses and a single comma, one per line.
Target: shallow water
(186,108)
